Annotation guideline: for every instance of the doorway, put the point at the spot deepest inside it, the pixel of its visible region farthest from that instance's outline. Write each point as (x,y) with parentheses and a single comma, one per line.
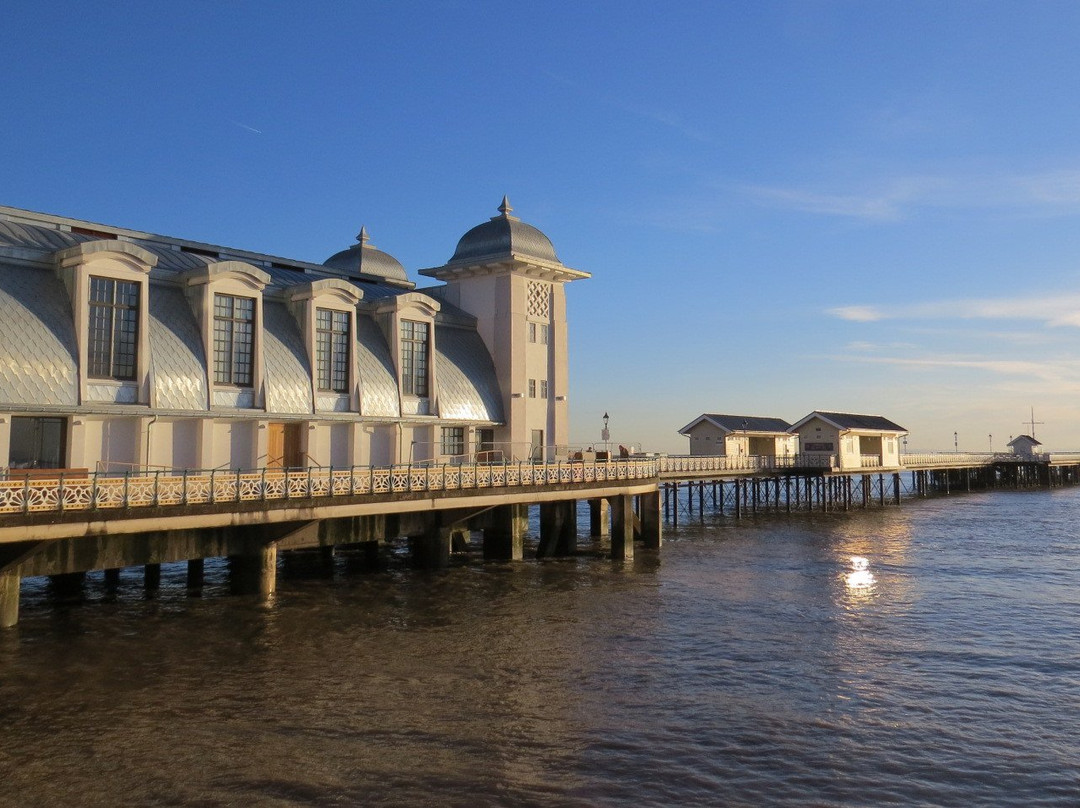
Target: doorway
(283,449)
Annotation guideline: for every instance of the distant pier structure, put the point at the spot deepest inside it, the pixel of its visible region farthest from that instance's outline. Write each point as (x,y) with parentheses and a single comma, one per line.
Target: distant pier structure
(693,486)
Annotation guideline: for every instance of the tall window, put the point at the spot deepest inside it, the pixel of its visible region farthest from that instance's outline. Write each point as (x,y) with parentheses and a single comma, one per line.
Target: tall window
(234,340)
(453,440)
(114,328)
(414,358)
(543,388)
(332,350)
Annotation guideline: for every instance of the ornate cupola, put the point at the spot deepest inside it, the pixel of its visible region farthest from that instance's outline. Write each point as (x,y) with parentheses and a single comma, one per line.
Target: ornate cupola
(362,261)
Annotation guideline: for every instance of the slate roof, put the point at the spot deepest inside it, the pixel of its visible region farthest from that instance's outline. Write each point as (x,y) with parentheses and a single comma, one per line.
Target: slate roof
(742,423)
(847,420)
(38,363)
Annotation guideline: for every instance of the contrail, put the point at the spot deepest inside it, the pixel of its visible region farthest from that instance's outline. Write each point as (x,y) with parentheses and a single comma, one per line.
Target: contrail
(249,128)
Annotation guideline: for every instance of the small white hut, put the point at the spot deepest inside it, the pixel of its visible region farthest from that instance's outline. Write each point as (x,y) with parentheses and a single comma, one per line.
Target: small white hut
(1024,446)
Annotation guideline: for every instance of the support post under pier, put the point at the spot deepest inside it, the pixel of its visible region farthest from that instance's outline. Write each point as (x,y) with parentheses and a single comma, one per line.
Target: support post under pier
(504,533)
(622,528)
(651,523)
(558,529)
(9,598)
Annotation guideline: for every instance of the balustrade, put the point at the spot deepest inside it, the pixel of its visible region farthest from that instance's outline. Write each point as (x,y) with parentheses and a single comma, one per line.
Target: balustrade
(101,490)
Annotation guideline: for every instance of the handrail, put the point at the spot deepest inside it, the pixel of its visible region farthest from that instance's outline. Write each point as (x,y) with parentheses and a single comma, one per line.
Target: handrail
(105,490)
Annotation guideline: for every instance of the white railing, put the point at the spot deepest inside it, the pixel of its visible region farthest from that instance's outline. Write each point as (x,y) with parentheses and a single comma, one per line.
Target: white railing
(79,491)
(869,461)
(931,459)
(679,464)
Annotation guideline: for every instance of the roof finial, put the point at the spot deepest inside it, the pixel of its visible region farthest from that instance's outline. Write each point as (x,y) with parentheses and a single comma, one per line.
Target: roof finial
(362,236)
(505,208)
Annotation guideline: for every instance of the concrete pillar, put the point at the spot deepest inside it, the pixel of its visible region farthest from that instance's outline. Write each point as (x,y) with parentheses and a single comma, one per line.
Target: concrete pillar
(599,517)
(9,598)
(558,529)
(152,577)
(651,521)
(255,572)
(195,569)
(504,533)
(430,550)
(267,570)
(112,578)
(622,528)
(459,539)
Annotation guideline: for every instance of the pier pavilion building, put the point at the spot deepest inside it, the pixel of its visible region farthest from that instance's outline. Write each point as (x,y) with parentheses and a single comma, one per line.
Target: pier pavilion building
(125,351)
(740,435)
(854,441)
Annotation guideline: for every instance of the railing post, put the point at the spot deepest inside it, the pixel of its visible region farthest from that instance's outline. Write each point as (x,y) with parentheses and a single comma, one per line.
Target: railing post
(213,491)
(127,480)
(309,482)
(262,484)
(26,494)
(183,492)
(157,483)
(60,493)
(237,483)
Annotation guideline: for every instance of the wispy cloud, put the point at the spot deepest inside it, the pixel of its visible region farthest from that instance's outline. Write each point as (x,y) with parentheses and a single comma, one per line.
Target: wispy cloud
(1058,373)
(249,128)
(650,112)
(1058,310)
(1048,193)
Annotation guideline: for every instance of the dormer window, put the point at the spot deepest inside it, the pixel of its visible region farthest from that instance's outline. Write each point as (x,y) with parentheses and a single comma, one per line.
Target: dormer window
(108,284)
(226,298)
(415,358)
(113,334)
(325,310)
(332,350)
(234,340)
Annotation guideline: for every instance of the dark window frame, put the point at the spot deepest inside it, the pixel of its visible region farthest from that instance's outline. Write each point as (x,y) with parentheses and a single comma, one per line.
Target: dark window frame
(234,340)
(453,440)
(113,328)
(415,357)
(333,331)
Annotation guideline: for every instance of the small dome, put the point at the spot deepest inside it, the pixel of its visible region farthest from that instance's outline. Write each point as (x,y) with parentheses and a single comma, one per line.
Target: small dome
(362,258)
(502,235)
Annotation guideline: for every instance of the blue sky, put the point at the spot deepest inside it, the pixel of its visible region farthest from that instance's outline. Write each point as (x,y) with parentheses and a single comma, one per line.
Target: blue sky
(785,206)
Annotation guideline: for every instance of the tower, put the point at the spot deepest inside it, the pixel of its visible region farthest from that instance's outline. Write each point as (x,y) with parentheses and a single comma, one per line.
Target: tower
(505,273)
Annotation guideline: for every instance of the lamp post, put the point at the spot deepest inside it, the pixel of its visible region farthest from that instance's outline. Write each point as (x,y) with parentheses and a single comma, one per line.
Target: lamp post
(991,443)
(955,443)
(605,436)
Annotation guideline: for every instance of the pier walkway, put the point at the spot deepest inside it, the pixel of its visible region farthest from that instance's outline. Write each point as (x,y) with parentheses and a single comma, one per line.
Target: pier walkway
(743,485)
(65,522)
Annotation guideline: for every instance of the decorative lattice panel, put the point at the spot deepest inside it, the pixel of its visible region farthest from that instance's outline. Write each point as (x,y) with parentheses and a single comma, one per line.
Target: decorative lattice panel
(539,299)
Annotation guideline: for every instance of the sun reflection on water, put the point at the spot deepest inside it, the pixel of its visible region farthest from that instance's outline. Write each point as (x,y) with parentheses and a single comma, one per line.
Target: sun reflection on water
(860,576)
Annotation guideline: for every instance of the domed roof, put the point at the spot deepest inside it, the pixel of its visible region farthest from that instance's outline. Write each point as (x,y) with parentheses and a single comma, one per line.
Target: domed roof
(502,235)
(363,258)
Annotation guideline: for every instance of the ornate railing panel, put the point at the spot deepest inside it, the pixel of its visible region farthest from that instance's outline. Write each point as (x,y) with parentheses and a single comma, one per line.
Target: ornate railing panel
(103,491)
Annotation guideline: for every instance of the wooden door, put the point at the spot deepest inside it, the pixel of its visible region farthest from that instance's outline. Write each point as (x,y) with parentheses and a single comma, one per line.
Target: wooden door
(283,449)
(275,445)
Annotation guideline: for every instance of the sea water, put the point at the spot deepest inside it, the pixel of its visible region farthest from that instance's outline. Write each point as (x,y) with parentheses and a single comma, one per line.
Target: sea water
(742,666)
